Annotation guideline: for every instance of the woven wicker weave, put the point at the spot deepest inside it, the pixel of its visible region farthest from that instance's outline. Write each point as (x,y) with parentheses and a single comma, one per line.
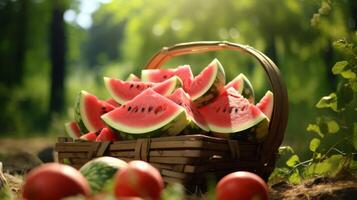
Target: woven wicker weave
(189,159)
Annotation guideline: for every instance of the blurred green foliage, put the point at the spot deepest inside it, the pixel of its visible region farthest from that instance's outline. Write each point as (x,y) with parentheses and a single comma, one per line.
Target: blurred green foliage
(125,34)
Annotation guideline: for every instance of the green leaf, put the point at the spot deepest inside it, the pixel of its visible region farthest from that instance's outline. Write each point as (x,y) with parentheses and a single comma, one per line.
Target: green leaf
(353,165)
(349,74)
(295,177)
(329,101)
(339,67)
(314,144)
(328,167)
(333,126)
(315,129)
(285,149)
(353,85)
(354,137)
(293,160)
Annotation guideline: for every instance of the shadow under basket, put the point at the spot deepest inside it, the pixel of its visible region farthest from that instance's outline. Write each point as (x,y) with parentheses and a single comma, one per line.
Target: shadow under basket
(192,159)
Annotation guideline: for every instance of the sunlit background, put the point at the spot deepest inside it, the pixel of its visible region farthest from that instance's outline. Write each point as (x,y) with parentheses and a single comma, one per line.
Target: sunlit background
(52,49)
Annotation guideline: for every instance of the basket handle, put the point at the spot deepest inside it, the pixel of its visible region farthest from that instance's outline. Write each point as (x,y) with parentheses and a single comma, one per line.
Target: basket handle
(279,118)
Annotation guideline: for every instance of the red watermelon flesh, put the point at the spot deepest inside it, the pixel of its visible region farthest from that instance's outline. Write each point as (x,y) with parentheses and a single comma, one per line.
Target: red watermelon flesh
(181,98)
(231,113)
(112,102)
(266,104)
(158,75)
(88,111)
(242,84)
(147,114)
(106,135)
(91,136)
(208,84)
(72,130)
(123,91)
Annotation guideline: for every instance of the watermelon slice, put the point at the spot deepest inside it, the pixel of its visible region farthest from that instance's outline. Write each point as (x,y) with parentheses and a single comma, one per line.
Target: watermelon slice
(91,136)
(181,98)
(243,86)
(106,135)
(147,115)
(88,110)
(72,130)
(99,173)
(266,104)
(123,91)
(158,75)
(231,113)
(132,77)
(208,84)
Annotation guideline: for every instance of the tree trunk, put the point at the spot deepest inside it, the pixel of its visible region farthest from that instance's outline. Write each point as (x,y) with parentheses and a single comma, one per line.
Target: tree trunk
(21,42)
(57,50)
(270,50)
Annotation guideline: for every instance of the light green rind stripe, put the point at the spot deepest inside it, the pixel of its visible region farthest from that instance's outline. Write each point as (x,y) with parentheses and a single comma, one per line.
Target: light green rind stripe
(111,92)
(171,129)
(237,127)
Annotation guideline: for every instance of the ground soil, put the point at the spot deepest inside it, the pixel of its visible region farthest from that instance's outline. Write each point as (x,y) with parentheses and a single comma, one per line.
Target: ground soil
(320,188)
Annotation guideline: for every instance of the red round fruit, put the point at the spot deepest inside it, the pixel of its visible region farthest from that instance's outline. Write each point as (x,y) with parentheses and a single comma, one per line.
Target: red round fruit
(54,181)
(241,186)
(139,179)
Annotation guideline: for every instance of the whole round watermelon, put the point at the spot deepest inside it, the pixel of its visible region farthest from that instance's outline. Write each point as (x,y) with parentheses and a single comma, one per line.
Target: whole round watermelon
(100,171)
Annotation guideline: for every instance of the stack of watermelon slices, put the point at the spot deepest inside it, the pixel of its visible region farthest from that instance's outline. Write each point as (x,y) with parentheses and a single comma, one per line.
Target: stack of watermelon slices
(169,102)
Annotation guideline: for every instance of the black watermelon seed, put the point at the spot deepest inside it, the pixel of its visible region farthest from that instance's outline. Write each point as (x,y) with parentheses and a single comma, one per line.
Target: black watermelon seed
(129,108)
(131,85)
(224,110)
(137,86)
(150,108)
(236,110)
(230,110)
(142,109)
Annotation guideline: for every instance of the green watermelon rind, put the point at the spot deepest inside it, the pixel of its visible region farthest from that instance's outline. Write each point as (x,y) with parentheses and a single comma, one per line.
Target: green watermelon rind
(256,133)
(100,171)
(247,89)
(171,126)
(77,113)
(214,88)
(69,131)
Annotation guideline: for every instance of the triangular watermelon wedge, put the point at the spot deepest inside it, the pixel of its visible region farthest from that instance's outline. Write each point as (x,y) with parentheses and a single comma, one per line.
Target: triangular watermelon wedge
(208,84)
(266,104)
(123,91)
(159,75)
(91,136)
(88,110)
(147,115)
(242,84)
(72,130)
(132,77)
(231,113)
(106,135)
(183,99)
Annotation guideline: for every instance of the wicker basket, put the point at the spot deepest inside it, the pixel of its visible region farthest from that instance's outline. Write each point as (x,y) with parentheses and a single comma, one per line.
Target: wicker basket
(189,159)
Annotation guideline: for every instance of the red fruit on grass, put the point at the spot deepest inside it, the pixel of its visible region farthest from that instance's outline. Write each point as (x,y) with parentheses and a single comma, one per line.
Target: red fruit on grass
(241,186)
(139,179)
(54,181)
